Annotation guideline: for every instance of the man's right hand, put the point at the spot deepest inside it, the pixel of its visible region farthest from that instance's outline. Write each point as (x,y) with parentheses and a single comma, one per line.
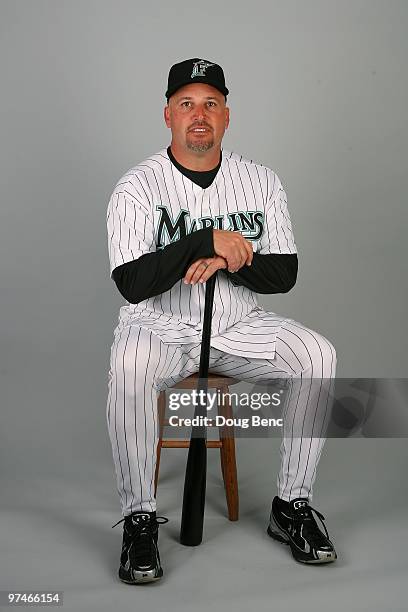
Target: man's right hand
(233,247)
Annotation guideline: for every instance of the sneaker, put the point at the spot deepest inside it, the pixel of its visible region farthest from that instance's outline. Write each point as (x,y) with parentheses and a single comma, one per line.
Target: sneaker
(140,559)
(293,523)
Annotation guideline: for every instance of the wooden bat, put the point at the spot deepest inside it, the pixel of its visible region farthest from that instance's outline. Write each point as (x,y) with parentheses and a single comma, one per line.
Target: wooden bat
(192,519)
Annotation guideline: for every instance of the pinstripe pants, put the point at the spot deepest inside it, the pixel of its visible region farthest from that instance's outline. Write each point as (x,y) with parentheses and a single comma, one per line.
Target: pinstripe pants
(141,365)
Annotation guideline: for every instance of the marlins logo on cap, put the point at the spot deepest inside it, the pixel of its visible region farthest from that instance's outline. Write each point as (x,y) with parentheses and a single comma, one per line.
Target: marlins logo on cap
(200,67)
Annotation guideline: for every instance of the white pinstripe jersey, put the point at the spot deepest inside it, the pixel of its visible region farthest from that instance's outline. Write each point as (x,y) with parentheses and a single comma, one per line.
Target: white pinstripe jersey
(154,204)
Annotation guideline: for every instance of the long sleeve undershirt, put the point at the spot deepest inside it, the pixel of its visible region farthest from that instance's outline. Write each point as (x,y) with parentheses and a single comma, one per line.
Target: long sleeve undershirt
(270,273)
(157,272)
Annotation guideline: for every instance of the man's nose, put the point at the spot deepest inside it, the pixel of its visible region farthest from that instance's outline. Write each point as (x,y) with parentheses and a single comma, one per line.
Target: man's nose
(200,111)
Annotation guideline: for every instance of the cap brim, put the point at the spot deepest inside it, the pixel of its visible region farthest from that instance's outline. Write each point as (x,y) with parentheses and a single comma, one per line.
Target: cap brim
(173,90)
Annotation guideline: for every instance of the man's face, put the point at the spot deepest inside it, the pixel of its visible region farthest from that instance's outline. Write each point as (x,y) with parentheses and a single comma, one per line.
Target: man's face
(198,117)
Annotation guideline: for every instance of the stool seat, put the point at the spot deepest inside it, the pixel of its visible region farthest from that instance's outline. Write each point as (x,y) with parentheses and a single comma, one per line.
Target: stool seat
(226,442)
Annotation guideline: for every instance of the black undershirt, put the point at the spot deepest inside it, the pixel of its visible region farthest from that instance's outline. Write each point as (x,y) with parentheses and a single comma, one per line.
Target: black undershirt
(157,272)
(204,179)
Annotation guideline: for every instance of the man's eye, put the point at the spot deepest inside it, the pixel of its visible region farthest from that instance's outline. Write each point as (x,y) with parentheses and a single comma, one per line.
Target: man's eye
(186,102)
(213,103)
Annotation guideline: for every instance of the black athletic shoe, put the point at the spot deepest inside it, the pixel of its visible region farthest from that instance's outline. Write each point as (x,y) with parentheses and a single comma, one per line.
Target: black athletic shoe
(140,559)
(293,523)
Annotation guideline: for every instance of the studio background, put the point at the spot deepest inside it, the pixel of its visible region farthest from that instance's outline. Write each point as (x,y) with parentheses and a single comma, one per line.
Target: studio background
(318,93)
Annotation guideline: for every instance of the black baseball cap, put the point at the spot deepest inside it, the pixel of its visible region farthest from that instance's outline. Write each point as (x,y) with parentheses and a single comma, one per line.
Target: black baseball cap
(195,70)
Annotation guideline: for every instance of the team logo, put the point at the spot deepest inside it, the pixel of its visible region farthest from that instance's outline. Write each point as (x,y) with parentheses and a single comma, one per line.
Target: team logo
(299,504)
(199,68)
(249,222)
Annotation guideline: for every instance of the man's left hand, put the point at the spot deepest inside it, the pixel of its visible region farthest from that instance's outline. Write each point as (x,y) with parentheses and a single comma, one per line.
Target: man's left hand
(201,269)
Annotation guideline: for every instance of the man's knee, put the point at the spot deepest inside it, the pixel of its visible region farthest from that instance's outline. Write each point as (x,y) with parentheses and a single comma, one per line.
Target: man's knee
(324,355)
(136,355)
(319,355)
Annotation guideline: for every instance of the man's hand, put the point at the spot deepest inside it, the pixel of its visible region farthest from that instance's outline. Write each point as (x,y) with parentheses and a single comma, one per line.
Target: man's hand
(234,248)
(201,269)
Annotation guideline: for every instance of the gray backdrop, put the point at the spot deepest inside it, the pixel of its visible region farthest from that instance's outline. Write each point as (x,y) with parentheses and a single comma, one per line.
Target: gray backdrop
(319,94)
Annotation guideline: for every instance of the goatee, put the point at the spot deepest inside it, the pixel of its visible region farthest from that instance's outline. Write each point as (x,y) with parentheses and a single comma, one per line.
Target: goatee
(200,147)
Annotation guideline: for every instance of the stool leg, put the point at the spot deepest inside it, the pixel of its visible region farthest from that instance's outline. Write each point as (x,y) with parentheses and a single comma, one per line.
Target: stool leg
(228,460)
(161,404)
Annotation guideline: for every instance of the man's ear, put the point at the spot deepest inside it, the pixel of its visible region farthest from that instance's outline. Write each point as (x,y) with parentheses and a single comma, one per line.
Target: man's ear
(167,116)
(227,117)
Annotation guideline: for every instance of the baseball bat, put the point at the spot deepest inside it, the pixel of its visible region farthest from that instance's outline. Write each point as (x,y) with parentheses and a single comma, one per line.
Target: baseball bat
(192,519)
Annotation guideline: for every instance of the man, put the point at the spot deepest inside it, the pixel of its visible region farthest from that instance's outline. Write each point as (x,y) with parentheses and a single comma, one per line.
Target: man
(173,220)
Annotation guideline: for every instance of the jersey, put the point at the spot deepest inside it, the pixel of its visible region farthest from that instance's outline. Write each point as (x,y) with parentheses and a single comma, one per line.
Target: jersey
(154,204)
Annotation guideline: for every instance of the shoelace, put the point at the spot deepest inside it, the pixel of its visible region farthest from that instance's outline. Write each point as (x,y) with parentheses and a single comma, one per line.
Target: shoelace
(144,530)
(149,520)
(305,513)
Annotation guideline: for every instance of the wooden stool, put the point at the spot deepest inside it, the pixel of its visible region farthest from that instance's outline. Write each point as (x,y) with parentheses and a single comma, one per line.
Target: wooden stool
(226,443)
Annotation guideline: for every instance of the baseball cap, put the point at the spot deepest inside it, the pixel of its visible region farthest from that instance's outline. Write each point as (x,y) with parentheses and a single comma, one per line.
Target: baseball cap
(195,70)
